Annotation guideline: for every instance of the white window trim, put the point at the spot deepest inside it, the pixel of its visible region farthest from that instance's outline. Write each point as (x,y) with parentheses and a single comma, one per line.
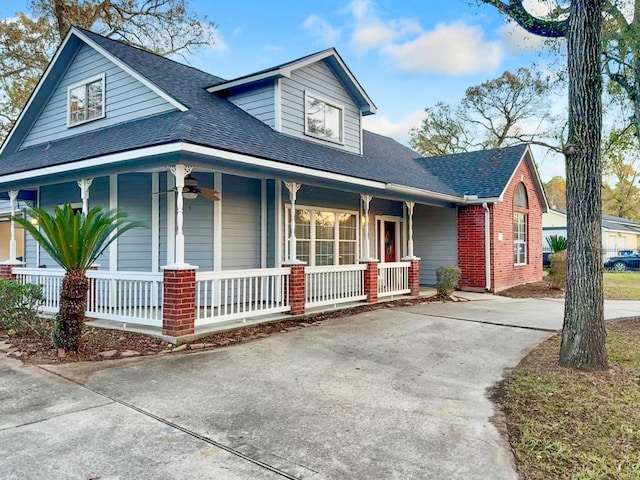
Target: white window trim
(331,103)
(312,232)
(520,242)
(87,81)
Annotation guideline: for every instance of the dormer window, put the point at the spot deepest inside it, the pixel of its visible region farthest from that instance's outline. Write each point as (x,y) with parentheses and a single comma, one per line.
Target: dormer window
(85,101)
(323,119)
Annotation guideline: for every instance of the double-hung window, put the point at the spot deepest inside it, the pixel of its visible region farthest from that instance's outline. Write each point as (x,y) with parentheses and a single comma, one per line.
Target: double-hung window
(324,236)
(520,213)
(322,118)
(85,101)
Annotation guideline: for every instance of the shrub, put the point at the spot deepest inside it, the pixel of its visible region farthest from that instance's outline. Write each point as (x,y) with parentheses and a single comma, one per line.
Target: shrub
(448,276)
(558,272)
(557,243)
(19,309)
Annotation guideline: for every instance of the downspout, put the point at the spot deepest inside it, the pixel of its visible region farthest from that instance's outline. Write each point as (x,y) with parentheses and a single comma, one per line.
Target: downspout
(487,245)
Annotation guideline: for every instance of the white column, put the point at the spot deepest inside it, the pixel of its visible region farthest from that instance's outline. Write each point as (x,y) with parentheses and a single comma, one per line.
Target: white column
(410,206)
(13,196)
(366,200)
(84,185)
(293,193)
(180,171)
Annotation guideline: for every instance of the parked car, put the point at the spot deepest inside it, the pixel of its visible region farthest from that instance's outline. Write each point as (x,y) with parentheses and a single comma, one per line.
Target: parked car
(624,262)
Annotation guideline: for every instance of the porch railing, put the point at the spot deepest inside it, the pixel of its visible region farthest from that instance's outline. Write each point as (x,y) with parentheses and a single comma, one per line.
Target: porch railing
(334,284)
(133,297)
(240,294)
(393,278)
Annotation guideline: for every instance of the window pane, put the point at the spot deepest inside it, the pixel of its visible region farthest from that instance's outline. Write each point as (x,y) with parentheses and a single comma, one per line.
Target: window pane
(323,119)
(347,253)
(347,226)
(77,104)
(302,251)
(94,100)
(324,253)
(303,224)
(325,225)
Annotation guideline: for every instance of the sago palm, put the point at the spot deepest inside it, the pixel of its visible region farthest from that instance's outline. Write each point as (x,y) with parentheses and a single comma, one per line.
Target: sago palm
(74,241)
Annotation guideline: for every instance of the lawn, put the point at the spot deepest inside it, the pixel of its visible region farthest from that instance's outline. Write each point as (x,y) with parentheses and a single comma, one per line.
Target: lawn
(622,285)
(566,424)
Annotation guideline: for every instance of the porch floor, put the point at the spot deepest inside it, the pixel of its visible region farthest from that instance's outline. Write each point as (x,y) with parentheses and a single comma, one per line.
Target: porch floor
(206,330)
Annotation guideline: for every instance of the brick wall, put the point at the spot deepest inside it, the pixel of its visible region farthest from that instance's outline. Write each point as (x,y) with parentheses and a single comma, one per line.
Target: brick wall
(179,302)
(471,247)
(471,239)
(503,271)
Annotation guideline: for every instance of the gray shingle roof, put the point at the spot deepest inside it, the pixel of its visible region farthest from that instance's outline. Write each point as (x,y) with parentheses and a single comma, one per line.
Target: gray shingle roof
(484,173)
(215,122)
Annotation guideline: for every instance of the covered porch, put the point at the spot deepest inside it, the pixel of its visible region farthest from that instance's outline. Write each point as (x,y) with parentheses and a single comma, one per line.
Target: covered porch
(273,242)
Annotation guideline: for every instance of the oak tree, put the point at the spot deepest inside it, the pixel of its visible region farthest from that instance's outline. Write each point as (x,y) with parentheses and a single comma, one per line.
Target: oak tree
(583,334)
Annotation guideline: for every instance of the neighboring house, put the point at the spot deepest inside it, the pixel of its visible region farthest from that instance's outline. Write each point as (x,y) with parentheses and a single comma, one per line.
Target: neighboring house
(247,163)
(619,235)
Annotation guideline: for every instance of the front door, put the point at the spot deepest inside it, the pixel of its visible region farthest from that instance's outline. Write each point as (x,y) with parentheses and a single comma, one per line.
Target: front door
(389,240)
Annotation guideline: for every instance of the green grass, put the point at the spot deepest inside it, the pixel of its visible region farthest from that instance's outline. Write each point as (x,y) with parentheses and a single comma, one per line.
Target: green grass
(622,285)
(566,424)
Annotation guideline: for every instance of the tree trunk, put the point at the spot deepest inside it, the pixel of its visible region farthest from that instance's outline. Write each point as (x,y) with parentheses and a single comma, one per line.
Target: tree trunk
(583,335)
(73,303)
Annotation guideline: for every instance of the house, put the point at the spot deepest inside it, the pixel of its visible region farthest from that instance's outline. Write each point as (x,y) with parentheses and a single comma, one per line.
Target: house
(262,194)
(619,235)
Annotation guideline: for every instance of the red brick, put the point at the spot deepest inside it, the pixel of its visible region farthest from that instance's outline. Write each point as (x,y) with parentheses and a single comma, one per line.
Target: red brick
(178,312)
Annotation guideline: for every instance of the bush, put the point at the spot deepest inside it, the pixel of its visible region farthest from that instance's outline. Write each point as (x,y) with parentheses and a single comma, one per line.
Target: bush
(448,276)
(558,272)
(557,243)
(19,309)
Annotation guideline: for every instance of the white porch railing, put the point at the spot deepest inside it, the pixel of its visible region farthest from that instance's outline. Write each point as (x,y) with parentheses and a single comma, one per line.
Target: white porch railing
(132,297)
(240,294)
(393,278)
(334,284)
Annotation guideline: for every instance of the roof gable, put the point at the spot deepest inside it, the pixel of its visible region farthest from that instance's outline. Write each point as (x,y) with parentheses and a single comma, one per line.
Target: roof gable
(329,56)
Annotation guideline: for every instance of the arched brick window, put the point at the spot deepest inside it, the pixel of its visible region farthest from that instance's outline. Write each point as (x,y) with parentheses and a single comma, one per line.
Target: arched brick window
(520,214)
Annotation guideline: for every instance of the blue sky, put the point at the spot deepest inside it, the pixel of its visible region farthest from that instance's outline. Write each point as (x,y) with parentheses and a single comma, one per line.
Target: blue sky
(407,54)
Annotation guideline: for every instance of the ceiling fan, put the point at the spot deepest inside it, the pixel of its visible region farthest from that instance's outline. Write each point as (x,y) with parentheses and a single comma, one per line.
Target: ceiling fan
(191,190)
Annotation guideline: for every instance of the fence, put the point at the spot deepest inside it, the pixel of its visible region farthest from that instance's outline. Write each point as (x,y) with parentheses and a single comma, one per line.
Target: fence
(393,279)
(335,284)
(241,294)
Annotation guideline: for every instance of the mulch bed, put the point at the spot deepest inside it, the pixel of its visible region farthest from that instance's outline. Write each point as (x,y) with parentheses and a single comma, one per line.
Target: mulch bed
(102,344)
(542,289)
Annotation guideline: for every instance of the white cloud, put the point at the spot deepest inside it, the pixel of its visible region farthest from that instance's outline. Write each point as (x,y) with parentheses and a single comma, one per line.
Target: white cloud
(398,130)
(318,27)
(376,34)
(450,49)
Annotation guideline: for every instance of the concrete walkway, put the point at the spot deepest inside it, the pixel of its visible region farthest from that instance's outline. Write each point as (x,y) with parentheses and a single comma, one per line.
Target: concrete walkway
(388,394)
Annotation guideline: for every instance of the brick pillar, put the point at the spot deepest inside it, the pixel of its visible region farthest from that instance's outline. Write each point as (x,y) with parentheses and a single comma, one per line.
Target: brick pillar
(6,272)
(297,289)
(371,281)
(179,301)
(6,269)
(414,277)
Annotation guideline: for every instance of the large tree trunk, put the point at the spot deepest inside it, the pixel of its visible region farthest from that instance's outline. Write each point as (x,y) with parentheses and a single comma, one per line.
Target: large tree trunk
(583,336)
(73,303)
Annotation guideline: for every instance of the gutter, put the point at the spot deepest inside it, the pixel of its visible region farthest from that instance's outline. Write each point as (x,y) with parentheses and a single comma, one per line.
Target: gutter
(487,245)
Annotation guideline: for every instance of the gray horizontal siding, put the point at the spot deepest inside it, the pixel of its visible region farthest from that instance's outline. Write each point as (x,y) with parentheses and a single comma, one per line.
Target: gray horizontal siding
(259,101)
(134,198)
(125,99)
(198,227)
(434,240)
(241,236)
(318,78)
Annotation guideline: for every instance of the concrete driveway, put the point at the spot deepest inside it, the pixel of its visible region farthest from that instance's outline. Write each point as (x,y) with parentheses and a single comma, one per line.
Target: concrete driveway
(390,394)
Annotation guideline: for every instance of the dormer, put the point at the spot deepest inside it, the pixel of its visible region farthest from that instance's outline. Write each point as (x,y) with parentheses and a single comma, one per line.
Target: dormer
(315,97)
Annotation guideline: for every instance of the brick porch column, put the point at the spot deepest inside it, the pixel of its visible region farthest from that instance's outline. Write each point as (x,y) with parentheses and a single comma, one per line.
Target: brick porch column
(179,300)
(6,269)
(297,288)
(414,277)
(371,280)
